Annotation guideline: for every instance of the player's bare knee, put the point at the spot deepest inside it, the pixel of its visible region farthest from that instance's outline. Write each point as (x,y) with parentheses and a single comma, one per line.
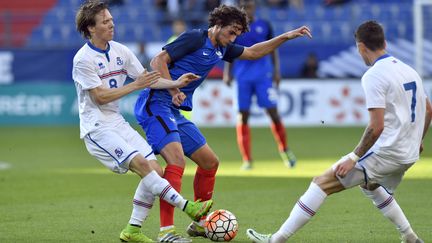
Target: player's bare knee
(140,166)
(328,183)
(210,164)
(176,159)
(319,180)
(370,187)
(213,164)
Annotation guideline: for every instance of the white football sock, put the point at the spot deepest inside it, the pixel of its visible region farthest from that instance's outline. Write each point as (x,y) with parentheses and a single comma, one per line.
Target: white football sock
(142,203)
(160,187)
(302,212)
(390,209)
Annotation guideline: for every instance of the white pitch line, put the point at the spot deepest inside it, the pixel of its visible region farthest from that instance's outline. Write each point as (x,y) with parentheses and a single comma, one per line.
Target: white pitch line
(4,165)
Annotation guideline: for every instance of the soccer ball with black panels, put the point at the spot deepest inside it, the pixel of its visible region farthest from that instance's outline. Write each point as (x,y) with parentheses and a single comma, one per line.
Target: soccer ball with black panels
(221,225)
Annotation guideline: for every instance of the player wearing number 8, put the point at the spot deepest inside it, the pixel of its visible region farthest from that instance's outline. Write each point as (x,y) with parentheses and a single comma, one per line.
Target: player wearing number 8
(400,115)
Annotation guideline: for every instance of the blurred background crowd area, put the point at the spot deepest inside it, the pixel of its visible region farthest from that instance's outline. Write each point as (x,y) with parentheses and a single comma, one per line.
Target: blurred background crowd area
(146,25)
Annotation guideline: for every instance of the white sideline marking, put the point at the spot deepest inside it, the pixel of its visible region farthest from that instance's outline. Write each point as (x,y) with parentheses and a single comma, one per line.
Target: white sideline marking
(4,165)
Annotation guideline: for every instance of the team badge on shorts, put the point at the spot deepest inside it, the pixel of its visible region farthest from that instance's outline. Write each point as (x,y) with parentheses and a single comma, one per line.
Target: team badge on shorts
(118,152)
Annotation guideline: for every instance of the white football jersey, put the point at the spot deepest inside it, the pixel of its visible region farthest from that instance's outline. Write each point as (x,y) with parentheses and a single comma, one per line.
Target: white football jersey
(93,67)
(395,86)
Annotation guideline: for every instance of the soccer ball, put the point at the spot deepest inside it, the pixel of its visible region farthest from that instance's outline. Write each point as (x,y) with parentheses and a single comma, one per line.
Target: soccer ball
(221,225)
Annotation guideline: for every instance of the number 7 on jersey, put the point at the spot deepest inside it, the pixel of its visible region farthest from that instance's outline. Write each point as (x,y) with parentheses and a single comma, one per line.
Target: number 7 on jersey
(412,86)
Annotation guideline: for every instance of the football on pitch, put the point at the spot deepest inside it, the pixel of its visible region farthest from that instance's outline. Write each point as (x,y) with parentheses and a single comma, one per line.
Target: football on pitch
(221,225)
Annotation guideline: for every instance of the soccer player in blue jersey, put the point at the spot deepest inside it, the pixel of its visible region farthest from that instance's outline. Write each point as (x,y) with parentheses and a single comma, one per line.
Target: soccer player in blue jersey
(157,111)
(254,78)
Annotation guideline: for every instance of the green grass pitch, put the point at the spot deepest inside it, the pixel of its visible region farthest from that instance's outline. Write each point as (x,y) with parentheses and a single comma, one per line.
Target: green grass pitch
(54,191)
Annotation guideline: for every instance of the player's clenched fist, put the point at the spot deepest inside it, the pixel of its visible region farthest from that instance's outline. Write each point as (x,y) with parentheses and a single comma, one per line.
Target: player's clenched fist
(178,98)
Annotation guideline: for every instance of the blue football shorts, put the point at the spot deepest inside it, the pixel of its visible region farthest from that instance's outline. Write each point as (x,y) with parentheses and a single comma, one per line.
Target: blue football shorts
(164,124)
(263,90)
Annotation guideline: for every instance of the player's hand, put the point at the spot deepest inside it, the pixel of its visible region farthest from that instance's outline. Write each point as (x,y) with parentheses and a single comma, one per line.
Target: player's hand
(178,98)
(227,81)
(186,79)
(302,31)
(344,165)
(421,147)
(147,79)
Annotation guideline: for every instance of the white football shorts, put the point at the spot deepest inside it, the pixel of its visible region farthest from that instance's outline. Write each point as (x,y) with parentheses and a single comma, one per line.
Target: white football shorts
(116,146)
(373,169)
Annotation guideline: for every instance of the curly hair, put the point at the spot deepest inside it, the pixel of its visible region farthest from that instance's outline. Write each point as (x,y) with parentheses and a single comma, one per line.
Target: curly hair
(371,34)
(228,15)
(85,16)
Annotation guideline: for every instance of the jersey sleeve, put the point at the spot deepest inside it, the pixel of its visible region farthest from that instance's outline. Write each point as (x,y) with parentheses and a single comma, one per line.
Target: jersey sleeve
(232,52)
(133,66)
(186,43)
(84,74)
(270,33)
(375,91)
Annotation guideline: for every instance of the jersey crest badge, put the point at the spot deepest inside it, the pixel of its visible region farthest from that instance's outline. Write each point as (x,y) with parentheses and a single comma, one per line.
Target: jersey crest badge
(119,61)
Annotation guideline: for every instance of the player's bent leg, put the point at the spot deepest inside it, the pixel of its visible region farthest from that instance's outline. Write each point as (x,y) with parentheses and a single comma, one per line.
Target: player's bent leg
(133,234)
(258,237)
(205,175)
(280,137)
(140,165)
(172,153)
(205,158)
(308,204)
(244,139)
(204,181)
(328,182)
(388,206)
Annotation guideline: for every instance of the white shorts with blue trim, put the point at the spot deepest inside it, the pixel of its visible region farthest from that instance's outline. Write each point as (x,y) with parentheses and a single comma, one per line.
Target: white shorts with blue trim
(116,146)
(373,169)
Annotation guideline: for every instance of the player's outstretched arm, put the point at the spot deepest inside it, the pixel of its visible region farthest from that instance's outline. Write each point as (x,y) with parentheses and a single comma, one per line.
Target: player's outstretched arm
(184,80)
(102,95)
(263,48)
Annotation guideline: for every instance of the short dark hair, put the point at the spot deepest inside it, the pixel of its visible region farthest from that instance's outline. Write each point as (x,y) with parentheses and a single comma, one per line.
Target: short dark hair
(371,34)
(85,16)
(227,15)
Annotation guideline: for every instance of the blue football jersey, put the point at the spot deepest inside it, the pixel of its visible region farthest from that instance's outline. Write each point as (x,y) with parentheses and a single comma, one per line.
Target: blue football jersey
(260,30)
(193,52)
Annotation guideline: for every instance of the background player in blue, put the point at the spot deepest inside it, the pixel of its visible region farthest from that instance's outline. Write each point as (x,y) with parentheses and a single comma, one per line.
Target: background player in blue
(254,77)
(157,111)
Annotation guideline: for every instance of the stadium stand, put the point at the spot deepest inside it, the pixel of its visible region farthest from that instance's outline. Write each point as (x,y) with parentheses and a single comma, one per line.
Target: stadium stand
(18,18)
(140,20)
